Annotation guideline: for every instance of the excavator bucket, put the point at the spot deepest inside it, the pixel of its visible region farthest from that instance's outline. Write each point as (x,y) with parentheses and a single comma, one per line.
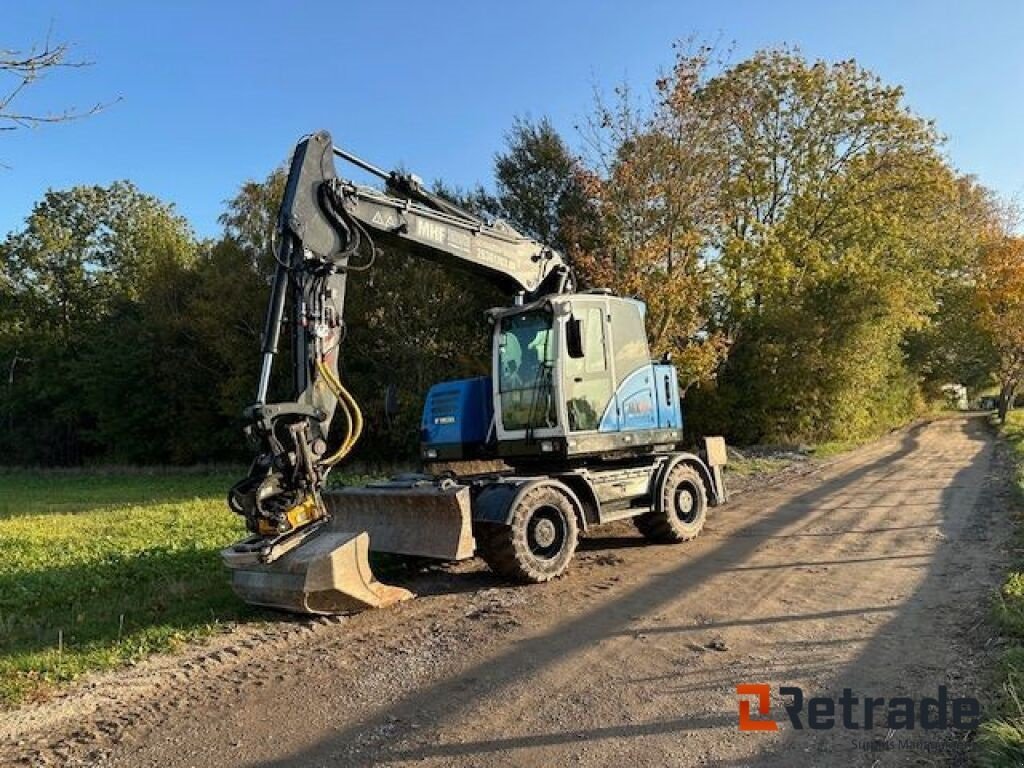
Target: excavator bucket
(328,571)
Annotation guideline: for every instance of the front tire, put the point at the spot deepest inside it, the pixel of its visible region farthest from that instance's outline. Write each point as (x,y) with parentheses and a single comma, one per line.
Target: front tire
(539,541)
(680,508)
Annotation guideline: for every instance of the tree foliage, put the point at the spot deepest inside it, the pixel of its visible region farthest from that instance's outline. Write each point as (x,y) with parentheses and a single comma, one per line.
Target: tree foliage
(86,258)
(542,187)
(791,225)
(655,184)
(807,255)
(1000,303)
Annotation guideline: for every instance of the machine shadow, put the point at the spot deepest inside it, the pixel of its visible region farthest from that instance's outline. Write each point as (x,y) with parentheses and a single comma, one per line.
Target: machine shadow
(531,657)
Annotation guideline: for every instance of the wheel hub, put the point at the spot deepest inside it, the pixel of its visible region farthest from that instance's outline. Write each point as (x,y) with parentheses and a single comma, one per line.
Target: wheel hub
(544,533)
(685,503)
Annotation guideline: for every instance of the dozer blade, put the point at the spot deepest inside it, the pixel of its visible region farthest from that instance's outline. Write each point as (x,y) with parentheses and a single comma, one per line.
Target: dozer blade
(407,516)
(327,573)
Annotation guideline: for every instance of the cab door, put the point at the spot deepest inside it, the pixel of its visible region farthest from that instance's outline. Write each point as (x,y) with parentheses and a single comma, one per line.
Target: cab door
(586,373)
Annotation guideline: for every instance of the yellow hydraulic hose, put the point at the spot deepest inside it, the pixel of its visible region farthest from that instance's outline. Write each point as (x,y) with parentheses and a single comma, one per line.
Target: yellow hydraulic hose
(333,385)
(350,409)
(357,414)
(342,451)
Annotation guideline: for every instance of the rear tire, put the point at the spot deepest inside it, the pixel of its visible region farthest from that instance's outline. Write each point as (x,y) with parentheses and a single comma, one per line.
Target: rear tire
(539,541)
(680,508)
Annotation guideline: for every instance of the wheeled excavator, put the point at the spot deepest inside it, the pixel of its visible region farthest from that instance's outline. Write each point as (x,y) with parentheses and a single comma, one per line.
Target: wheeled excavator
(575,427)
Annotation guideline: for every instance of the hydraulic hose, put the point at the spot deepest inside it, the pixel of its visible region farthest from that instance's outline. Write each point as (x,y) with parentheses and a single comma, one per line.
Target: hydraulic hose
(350,409)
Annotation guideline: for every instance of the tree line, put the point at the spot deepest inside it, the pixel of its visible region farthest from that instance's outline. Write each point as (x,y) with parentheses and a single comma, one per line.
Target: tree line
(809,257)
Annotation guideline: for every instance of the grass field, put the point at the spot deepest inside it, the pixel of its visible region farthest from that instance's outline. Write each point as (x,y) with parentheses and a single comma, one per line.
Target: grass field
(100,568)
(1001,739)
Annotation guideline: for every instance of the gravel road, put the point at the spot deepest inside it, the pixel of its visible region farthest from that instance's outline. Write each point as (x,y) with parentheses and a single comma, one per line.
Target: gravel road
(872,572)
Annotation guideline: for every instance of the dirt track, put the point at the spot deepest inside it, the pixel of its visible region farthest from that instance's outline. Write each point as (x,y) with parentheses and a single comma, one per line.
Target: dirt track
(872,573)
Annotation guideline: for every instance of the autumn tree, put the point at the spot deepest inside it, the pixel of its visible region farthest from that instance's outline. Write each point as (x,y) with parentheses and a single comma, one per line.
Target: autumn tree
(654,181)
(1000,303)
(954,345)
(832,240)
(791,225)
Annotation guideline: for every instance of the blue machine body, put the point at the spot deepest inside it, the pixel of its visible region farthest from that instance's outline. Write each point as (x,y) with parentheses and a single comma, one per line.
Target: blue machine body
(457,415)
(648,398)
(456,418)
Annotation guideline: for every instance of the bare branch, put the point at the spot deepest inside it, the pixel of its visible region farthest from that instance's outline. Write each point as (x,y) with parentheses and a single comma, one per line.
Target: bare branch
(26,68)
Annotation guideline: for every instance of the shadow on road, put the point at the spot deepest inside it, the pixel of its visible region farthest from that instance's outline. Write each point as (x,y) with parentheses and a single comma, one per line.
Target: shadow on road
(460,695)
(920,624)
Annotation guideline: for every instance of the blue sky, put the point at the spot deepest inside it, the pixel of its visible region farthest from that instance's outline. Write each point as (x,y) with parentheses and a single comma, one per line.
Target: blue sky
(211,94)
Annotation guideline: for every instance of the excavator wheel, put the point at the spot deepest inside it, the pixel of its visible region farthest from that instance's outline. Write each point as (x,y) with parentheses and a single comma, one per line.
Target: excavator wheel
(538,542)
(680,509)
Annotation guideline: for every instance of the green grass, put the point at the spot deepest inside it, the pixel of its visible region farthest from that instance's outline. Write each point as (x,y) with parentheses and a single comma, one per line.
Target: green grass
(756,465)
(1001,739)
(73,491)
(833,448)
(100,568)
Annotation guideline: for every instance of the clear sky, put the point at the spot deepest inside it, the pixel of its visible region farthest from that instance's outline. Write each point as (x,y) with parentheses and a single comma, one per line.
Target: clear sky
(213,93)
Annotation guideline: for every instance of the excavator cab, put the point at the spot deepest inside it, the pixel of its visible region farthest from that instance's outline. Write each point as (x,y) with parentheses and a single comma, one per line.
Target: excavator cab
(573,378)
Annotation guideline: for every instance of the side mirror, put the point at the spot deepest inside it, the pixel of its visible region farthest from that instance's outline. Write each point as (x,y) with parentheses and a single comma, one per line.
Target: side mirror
(391,401)
(574,337)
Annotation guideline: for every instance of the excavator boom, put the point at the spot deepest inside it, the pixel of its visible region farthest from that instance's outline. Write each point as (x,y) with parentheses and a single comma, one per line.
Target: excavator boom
(327,229)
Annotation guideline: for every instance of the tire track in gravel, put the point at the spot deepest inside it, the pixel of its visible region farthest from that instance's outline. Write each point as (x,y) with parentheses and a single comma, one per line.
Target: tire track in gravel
(819,579)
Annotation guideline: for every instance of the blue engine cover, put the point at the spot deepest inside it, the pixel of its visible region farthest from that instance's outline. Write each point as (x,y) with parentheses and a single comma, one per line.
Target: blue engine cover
(647,399)
(457,414)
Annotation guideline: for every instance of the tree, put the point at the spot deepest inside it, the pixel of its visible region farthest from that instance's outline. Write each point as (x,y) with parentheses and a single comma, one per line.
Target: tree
(1000,301)
(541,187)
(832,242)
(655,185)
(84,255)
(251,218)
(954,346)
(794,231)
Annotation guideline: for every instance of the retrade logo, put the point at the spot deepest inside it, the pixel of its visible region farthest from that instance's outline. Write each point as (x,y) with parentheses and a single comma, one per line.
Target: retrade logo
(823,713)
(764,704)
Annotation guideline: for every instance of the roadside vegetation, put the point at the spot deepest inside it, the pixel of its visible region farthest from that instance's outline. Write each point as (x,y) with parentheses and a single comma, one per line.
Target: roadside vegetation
(101,568)
(809,258)
(1001,739)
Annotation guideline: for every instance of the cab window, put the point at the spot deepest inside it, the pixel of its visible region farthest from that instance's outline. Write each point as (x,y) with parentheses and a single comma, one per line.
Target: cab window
(630,339)
(525,361)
